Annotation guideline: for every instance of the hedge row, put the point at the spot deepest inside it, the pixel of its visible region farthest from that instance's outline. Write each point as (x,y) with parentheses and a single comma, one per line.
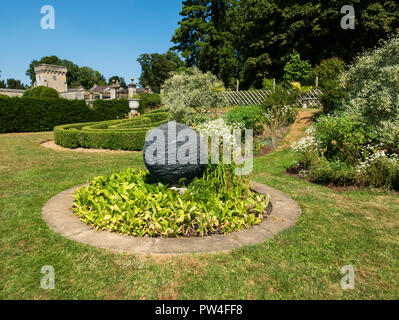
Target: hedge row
(115,135)
(33,115)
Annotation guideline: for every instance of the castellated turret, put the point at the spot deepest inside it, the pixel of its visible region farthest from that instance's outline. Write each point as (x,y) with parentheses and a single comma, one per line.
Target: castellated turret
(51,76)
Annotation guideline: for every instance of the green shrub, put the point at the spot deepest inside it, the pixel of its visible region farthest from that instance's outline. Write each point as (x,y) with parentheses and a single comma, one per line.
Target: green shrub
(279,107)
(250,117)
(32,115)
(196,119)
(342,138)
(374,91)
(149,101)
(190,92)
(109,109)
(382,172)
(42,93)
(127,134)
(131,203)
(329,70)
(320,170)
(333,97)
(267,84)
(341,151)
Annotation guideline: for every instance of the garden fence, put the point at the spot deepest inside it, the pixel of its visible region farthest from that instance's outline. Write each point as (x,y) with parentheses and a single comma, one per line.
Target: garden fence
(245,98)
(257,97)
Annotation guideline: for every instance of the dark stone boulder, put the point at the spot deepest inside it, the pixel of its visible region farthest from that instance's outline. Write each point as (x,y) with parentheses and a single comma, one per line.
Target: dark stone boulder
(173,152)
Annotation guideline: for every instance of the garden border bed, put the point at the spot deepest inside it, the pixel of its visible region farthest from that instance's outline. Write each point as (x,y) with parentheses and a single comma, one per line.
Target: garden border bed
(59,216)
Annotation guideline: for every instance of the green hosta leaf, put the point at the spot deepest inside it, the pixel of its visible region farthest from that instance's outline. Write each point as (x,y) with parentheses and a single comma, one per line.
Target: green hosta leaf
(125,203)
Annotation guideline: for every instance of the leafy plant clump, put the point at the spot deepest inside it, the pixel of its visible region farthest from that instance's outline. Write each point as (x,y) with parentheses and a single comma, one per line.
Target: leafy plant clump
(131,202)
(250,117)
(279,107)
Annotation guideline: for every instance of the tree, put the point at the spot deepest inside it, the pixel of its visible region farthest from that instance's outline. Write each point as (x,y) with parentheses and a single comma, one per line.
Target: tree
(15,84)
(12,84)
(266,32)
(296,69)
(89,77)
(203,37)
(251,40)
(156,68)
(2,83)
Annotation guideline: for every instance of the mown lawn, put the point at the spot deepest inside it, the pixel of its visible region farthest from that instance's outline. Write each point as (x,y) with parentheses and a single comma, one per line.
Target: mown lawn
(359,228)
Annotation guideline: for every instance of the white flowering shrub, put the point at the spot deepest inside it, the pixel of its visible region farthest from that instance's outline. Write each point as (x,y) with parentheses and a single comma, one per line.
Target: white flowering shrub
(373,155)
(307,144)
(190,92)
(219,128)
(373,82)
(375,166)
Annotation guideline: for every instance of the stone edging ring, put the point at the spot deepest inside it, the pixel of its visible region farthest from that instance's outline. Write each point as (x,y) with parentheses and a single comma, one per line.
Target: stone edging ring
(58,215)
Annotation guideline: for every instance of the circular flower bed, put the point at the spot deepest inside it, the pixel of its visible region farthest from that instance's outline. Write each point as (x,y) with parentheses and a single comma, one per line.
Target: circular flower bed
(132,203)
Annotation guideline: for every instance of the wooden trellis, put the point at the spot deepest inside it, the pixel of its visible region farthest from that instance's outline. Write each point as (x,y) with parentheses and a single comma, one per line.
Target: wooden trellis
(257,97)
(310,99)
(245,98)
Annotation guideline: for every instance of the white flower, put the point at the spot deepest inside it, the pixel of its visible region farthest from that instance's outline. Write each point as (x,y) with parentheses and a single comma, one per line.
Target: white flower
(307,143)
(373,154)
(219,128)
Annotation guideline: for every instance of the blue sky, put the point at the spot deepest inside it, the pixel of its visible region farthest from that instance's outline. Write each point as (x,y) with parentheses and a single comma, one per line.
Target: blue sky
(105,35)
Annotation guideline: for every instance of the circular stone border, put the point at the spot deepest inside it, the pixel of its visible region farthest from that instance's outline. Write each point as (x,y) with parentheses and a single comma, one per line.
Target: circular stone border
(59,216)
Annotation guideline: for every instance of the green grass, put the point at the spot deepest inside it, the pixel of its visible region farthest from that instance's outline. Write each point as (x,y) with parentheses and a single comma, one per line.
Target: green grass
(359,228)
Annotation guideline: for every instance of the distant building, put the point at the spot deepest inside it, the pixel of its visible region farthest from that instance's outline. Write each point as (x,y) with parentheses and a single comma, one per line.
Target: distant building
(53,76)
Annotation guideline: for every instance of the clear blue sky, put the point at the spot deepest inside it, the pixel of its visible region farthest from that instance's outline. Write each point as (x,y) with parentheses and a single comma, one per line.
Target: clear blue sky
(105,35)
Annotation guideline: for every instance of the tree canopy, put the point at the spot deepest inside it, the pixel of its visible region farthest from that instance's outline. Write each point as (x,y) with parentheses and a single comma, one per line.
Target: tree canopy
(250,40)
(12,84)
(156,68)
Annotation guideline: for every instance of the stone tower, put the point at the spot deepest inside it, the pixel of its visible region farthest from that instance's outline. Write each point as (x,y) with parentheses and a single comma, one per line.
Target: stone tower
(51,76)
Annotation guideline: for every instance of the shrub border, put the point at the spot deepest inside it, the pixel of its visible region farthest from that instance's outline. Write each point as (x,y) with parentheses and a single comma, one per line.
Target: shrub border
(89,135)
(59,217)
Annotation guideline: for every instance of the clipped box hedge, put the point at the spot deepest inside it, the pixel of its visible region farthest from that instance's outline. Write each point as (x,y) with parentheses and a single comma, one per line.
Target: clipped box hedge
(28,114)
(114,135)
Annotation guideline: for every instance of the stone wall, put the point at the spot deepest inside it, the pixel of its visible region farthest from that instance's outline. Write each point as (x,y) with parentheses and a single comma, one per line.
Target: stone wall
(12,92)
(73,95)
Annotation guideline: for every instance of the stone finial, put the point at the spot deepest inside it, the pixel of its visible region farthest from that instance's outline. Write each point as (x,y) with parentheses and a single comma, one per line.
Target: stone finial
(132,84)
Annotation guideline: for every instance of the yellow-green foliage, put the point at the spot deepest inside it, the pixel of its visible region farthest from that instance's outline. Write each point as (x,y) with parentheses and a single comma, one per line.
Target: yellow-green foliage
(131,203)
